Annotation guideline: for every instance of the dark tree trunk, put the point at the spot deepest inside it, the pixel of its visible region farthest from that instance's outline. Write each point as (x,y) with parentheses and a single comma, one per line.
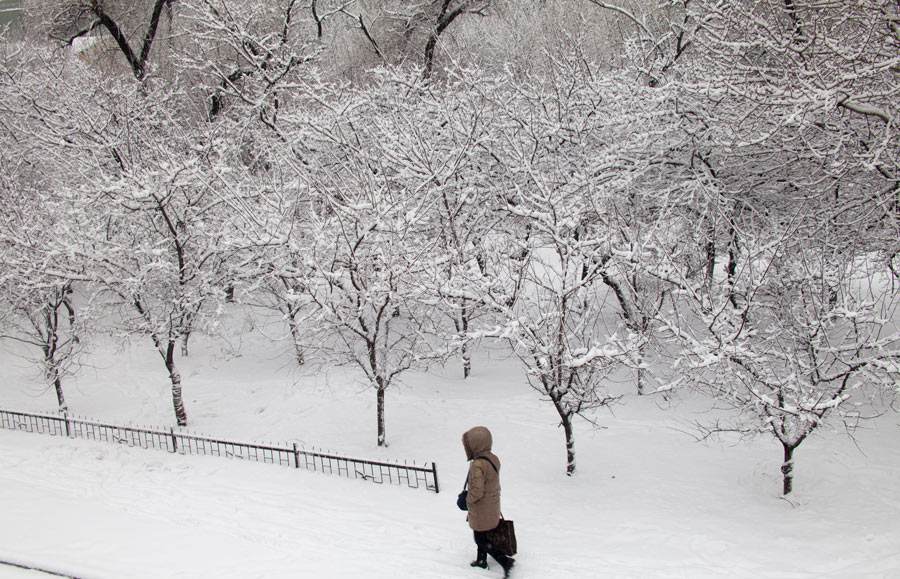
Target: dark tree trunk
(380,386)
(570,444)
(787,469)
(444,19)
(640,370)
(731,267)
(138,62)
(710,252)
(382,438)
(51,363)
(463,329)
(466,360)
(57,384)
(299,354)
(175,377)
(565,420)
(184,344)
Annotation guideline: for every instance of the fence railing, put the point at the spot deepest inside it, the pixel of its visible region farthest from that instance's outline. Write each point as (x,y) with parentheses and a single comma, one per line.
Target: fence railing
(413,476)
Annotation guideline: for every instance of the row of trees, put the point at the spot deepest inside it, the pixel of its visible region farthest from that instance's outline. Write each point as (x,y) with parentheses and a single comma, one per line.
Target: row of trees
(724,201)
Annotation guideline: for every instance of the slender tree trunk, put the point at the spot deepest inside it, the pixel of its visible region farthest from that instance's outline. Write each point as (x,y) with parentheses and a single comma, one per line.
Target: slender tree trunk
(463,330)
(570,444)
(443,21)
(710,252)
(51,364)
(382,439)
(731,266)
(380,386)
(138,62)
(67,303)
(787,469)
(184,344)
(57,384)
(461,324)
(640,370)
(565,419)
(175,377)
(466,360)
(299,354)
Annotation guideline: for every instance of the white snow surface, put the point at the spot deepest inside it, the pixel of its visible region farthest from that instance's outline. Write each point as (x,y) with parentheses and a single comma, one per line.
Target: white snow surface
(647,501)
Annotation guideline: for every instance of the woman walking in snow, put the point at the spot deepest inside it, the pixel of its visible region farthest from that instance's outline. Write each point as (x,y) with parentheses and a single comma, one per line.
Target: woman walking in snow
(483,499)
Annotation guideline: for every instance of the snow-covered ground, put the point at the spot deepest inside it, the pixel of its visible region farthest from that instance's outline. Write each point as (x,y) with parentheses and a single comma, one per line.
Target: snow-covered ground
(648,500)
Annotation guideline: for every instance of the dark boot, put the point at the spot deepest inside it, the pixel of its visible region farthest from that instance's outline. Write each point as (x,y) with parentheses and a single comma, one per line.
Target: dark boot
(507,566)
(480,559)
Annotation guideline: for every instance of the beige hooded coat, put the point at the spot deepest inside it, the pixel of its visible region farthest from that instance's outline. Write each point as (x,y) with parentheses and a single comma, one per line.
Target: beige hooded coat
(484,482)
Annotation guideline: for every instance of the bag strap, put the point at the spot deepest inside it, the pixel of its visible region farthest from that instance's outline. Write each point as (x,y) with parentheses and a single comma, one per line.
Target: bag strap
(490,462)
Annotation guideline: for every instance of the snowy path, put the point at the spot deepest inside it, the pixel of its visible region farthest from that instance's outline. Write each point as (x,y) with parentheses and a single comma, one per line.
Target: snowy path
(648,501)
(100,511)
(97,510)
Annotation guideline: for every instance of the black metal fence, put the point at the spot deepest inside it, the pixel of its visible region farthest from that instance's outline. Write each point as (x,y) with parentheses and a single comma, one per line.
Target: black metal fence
(413,476)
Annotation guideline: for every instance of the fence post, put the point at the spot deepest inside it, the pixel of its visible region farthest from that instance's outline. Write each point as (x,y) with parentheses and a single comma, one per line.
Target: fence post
(296,456)
(66,420)
(437,488)
(174,440)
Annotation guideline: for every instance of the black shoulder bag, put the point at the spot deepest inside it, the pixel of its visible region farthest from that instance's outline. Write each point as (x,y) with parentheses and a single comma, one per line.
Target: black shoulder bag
(461,499)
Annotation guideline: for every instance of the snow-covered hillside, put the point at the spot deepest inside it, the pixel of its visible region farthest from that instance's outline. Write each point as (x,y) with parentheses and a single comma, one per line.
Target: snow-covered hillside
(648,500)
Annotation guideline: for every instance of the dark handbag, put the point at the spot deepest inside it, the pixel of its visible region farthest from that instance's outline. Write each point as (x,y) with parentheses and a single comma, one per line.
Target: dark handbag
(504,538)
(461,500)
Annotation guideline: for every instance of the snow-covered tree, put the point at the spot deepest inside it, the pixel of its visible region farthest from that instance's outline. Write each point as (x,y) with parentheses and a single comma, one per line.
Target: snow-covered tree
(367,246)
(37,305)
(248,55)
(36,301)
(132,33)
(799,335)
(278,237)
(558,324)
(163,246)
(797,100)
(437,136)
(779,204)
(152,223)
(562,168)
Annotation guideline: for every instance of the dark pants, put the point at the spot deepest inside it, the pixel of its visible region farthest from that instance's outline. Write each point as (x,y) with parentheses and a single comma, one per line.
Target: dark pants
(485,547)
